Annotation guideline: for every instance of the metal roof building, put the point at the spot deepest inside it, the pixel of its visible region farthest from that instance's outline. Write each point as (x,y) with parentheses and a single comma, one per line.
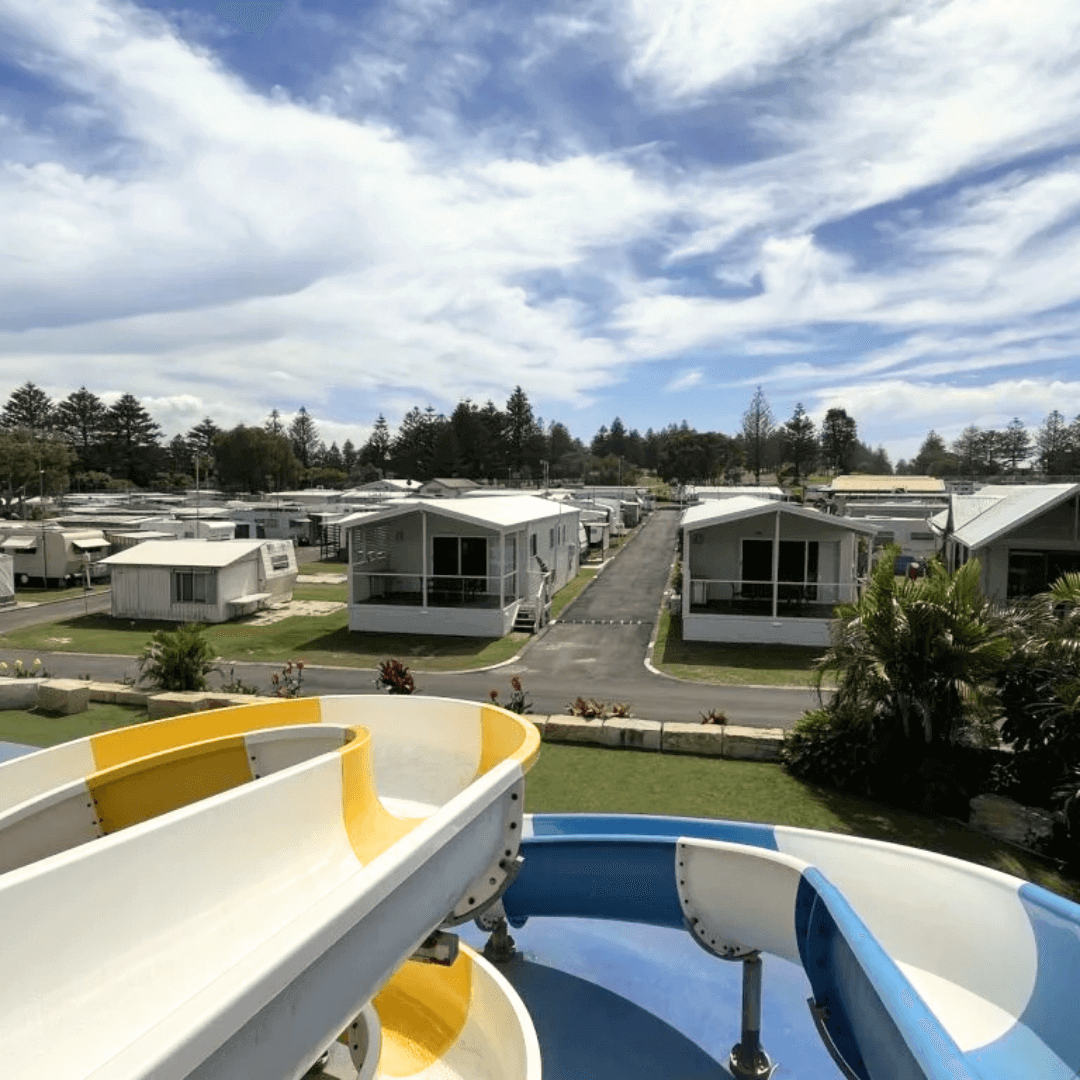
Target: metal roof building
(1024,536)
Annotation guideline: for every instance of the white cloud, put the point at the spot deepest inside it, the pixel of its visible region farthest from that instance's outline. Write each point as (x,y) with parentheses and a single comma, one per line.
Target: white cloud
(272,253)
(684,48)
(686,380)
(260,242)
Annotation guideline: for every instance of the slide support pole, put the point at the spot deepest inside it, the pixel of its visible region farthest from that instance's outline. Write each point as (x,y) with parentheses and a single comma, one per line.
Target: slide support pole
(748,1061)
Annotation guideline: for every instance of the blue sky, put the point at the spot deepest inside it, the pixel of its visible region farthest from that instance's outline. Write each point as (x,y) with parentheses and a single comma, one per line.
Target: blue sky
(640,208)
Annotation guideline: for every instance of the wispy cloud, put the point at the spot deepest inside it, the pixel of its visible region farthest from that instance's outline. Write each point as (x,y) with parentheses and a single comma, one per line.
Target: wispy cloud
(685,381)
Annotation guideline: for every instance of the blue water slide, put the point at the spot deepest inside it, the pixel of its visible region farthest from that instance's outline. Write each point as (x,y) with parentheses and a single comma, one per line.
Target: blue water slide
(626,868)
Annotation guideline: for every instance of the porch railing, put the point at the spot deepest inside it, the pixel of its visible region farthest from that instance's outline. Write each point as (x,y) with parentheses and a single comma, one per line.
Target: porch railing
(443,590)
(802,599)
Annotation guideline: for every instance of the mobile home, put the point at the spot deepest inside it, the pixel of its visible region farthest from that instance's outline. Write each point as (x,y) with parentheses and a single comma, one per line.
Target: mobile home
(201,580)
(53,554)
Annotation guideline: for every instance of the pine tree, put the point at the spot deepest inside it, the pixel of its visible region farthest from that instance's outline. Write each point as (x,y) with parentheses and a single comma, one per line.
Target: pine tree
(349,457)
(333,458)
(412,453)
(1052,443)
(274,424)
(28,409)
(304,436)
(800,442)
(80,421)
(376,451)
(201,436)
(520,427)
(839,435)
(133,437)
(932,459)
(757,425)
(1014,444)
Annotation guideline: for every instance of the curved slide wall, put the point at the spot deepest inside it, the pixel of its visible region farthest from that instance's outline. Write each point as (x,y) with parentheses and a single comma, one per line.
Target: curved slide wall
(232,894)
(931,967)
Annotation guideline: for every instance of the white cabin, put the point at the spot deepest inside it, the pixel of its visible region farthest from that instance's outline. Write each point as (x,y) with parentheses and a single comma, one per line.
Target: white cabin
(201,580)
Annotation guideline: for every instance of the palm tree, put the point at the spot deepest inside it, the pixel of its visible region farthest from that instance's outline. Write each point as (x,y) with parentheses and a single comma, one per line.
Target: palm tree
(1039,689)
(916,659)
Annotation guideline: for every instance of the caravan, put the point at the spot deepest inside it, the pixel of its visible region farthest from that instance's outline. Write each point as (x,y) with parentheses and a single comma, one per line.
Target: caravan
(54,555)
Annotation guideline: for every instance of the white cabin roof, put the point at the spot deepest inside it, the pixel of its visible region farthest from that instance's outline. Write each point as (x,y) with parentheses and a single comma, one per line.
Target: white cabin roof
(716,511)
(203,553)
(496,512)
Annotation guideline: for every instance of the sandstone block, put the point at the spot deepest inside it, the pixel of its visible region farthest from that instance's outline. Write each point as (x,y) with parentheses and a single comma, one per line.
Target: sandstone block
(574,729)
(705,740)
(626,731)
(753,744)
(65,696)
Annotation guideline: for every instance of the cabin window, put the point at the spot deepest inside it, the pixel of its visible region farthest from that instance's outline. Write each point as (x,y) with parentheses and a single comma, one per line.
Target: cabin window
(454,556)
(194,587)
(279,561)
(532,544)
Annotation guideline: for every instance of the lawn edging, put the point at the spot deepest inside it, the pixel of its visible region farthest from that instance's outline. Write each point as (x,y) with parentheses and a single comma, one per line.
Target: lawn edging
(669,737)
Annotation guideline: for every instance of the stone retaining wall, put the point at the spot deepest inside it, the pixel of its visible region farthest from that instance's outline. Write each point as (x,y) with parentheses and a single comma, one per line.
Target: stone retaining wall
(703,740)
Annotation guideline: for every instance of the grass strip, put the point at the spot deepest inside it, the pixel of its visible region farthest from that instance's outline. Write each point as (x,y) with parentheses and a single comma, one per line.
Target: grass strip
(734,665)
(315,639)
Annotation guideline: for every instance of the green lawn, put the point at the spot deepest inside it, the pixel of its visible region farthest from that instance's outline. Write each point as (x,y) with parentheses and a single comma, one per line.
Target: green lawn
(314,639)
(703,661)
(45,729)
(590,780)
(323,567)
(37,596)
(338,593)
(571,590)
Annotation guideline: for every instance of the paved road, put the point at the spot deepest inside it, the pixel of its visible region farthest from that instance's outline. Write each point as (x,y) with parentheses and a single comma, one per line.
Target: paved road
(597,650)
(53,611)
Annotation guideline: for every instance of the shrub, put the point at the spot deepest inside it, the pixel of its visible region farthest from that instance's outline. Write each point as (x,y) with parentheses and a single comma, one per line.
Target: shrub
(1039,690)
(236,685)
(290,682)
(620,709)
(677,578)
(714,716)
(519,698)
(588,708)
(177,659)
(832,747)
(395,678)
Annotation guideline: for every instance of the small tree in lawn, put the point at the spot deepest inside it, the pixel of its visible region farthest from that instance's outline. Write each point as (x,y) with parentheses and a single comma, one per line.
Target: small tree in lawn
(177,659)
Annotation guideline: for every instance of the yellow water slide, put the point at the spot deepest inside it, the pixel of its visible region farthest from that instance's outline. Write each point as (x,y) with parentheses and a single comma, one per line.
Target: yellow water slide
(219,894)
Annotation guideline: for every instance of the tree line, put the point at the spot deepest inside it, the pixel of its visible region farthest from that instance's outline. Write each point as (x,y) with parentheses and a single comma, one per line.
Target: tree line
(1053,449)
(82,443)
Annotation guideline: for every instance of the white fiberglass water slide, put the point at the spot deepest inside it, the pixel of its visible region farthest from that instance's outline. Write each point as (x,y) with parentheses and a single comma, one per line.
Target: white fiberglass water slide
(219,895)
